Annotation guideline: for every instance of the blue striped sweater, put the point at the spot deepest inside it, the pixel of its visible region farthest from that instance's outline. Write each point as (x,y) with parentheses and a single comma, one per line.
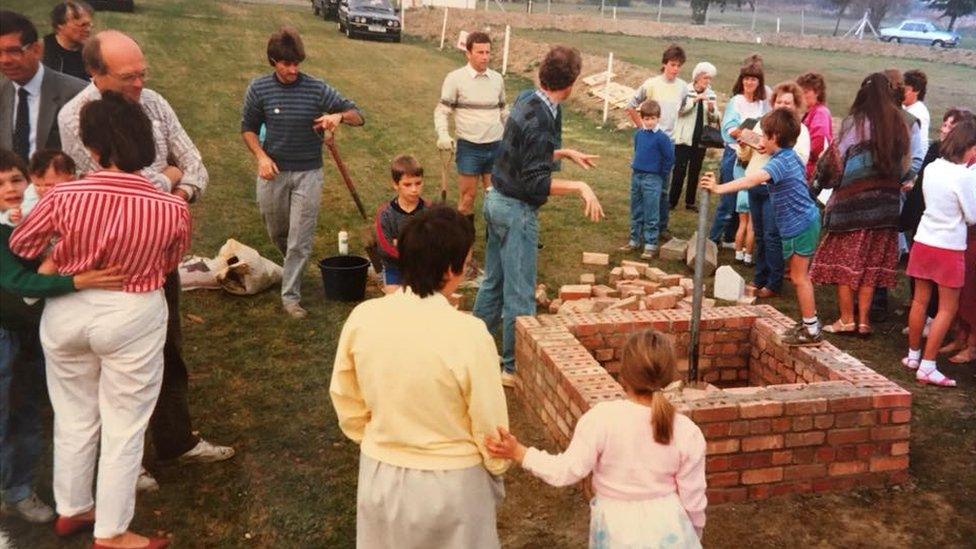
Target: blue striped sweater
(288,112)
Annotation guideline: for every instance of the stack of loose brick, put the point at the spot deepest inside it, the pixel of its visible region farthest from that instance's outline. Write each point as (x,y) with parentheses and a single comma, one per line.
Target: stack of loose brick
(818,420)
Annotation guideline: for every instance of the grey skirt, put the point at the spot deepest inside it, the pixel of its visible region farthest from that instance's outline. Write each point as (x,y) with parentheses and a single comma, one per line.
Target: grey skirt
(405,508)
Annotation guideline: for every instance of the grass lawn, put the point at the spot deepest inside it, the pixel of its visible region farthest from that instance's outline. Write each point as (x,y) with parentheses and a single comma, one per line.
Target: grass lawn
(259,381)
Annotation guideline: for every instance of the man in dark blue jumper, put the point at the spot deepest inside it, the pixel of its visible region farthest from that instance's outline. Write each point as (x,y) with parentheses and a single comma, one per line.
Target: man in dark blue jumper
(522,182)
(293,107)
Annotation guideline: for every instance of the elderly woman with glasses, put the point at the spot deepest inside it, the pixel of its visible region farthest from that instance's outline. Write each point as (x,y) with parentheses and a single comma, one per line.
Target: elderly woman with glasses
(699,108)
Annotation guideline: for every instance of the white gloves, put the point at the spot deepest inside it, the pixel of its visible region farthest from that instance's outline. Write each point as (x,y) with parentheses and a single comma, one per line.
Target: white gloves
(445,143)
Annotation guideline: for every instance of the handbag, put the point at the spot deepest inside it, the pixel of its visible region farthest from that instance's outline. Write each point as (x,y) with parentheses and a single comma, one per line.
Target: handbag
(711,138)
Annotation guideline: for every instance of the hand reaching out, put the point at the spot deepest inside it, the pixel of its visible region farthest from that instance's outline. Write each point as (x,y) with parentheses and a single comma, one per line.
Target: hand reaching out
(591,205)
(708,182)
(583,160)
(506,446)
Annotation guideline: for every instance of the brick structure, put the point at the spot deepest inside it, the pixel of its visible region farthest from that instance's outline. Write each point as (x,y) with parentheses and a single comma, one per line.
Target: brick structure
(782,420)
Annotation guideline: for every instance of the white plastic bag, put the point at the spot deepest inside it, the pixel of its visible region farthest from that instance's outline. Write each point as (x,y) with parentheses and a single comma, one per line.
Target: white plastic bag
(244,271)
(199,273)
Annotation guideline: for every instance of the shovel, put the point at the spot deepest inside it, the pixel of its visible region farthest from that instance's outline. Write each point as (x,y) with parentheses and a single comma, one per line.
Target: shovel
(329,140)
(445,163)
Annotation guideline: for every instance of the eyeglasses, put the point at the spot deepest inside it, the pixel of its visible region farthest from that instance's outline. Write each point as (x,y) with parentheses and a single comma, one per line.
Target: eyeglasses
(17,52)
(131,77)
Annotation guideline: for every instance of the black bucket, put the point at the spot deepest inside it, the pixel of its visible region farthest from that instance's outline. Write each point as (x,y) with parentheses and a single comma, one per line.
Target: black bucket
(344,277)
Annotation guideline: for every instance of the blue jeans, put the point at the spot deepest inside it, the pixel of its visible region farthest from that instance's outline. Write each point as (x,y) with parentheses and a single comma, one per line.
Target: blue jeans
(645,207)
(508,289)
(726,204)
(22,393)
(664,204)
(769,245)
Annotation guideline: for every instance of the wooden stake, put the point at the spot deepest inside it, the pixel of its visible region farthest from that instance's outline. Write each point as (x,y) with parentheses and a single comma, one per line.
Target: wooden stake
(660,6)
(606,89)
(508,32)
(443,29)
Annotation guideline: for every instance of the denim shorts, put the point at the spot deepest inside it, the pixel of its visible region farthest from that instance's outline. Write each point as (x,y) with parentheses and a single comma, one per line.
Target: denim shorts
(475,158)
(391,275)
(805,243)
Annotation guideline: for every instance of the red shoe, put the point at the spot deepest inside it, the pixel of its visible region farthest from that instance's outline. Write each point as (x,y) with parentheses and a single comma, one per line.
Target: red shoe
(66,526)
(154,543)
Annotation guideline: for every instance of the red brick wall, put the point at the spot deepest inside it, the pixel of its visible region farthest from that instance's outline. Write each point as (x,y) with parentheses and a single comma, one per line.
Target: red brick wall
(816,418)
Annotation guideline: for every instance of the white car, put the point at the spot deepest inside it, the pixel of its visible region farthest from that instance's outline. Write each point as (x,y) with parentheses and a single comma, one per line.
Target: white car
(919,32)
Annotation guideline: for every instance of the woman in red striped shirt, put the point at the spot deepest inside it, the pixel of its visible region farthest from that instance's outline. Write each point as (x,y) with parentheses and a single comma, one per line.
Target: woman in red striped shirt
(104,350)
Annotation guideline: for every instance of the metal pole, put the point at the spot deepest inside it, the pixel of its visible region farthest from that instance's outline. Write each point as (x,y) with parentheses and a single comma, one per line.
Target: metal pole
(753,27)
(508,31)
(443,29)
(803,22)
(606,88)
(660,6)
(699,280)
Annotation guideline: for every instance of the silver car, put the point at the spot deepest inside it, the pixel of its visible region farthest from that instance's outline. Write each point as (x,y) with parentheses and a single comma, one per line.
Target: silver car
(920,32)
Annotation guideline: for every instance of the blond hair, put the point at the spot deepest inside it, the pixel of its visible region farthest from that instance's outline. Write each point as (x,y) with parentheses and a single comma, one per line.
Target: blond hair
(647,367)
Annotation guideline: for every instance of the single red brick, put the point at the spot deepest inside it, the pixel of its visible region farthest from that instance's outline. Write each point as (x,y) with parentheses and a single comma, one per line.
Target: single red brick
(841,468)
(781,457)
(808,438)
(718,413)
(899,449)
(727,495)
(812,470)
(758,460)
(722,446)
(845,453)
(716,430)
(901,415)
(897,432)
(716,463)
(805,407)
(898,398)
(739,428)
(790,488)
(759,426)
(762,442)
(761,408)
(883,463)
(762,476)
(803,423)
(849,404)
(803,455)
(848,436)
(724,479)
(846,419)
(737,462)
(781,424)
(760,492)
(823,422)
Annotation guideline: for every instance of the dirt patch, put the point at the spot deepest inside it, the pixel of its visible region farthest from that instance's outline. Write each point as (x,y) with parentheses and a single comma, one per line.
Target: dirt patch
(427,22)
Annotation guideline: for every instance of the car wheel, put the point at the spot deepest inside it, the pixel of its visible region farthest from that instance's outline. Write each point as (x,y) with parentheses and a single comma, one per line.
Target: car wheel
(938,43)
(896,40)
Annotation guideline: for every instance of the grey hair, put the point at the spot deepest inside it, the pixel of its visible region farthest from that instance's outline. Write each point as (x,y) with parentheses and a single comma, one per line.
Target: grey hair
(703,68)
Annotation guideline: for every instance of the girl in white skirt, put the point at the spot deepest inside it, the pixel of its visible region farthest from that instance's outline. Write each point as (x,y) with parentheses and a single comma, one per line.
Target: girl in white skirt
(647,461)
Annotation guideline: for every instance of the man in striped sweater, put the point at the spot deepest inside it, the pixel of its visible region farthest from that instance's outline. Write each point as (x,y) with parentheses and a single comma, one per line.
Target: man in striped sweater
(294,107)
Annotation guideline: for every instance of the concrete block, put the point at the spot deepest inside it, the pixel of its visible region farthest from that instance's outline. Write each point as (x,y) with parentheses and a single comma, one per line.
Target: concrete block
(729,285)
(675,249)
(587,278)
(711,255)
(570,292)
(594,258)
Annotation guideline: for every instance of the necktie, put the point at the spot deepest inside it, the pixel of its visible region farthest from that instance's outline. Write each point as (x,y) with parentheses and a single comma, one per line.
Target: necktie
(22,129)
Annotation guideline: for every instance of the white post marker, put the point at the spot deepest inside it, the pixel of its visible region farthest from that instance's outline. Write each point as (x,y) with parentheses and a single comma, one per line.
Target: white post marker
(603,4)
(530,6)
(708,15)
(606,88)
(777,25)
(614,12)
(486,5)
(753,27)
(403,17)
(443,29)
(508,32)
(660,6)
(803,22)
(548,6)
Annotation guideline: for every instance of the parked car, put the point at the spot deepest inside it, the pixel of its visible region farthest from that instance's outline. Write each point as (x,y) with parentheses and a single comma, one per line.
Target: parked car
(376,18)
(920,32)
(328,9)
(112,5)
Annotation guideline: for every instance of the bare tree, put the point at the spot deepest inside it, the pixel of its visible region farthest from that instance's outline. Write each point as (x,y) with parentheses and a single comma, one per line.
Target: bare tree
(953,9)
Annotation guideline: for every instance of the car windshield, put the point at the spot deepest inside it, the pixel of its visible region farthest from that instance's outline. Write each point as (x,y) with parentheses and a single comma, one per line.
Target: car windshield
(377,5)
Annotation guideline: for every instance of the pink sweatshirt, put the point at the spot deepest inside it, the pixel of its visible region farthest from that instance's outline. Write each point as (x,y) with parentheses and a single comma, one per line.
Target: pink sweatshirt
(614,441)
(821,127)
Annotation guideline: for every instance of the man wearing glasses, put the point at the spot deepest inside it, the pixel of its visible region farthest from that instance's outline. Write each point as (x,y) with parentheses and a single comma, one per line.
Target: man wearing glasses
(116,63)
(72,24)
(30,96)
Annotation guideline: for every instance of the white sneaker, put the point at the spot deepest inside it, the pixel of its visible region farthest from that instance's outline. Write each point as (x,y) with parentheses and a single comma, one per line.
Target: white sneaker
(31,509)
(739,255)
(295,310)
(205,452)
(747,259)
(146,482)
(508,380)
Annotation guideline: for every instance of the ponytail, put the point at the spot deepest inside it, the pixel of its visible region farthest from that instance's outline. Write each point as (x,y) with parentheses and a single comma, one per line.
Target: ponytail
(662,418)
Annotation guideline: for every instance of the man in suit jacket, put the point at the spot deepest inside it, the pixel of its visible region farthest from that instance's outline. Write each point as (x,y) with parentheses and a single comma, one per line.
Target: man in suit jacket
(30,94)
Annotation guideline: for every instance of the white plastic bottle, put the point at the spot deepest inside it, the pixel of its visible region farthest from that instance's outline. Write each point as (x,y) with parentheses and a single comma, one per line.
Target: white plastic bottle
(343,242)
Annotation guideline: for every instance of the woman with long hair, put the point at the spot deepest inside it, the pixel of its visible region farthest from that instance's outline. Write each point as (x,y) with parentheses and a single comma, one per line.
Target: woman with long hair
(860,251)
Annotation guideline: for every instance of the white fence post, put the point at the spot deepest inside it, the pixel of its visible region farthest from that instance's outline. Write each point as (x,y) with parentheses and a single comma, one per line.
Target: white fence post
(606,88)
(753,27)
(615,13)
(508,32)
(486,5)
(443,29)
(660,6)
(803,22)
(548,6)
(777,25)
(530,6)
(602,6)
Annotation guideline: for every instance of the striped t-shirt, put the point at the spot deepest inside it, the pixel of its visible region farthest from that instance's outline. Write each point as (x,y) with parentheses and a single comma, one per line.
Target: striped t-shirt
(793,207)
(288,111)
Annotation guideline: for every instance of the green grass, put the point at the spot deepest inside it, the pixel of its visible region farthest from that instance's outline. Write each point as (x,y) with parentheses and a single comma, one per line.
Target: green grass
(259,381)
(842,71)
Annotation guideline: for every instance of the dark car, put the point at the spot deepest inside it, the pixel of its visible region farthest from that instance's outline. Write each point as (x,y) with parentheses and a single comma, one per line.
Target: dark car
(112,5)
(376,18)
(328,9)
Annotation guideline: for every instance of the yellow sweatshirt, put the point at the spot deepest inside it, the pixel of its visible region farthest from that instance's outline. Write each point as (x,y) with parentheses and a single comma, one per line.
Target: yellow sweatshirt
(417,384)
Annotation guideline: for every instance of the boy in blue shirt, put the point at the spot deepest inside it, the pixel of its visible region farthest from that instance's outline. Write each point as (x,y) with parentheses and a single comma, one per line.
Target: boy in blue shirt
(653,160)
(795,212)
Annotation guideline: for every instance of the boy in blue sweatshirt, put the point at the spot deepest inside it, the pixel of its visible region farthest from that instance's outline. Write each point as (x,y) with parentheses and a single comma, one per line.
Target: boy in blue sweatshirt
(653,160)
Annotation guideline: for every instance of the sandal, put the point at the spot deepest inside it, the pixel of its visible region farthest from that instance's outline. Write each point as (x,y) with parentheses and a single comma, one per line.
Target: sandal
(864,331)
(934,377)
(840,327)
(962,357)
(911,363)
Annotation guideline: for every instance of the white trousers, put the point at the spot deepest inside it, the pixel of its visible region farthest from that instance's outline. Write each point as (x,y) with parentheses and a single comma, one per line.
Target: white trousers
(104,354)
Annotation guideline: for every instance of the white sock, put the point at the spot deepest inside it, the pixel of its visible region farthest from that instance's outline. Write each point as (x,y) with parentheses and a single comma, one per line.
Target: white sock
(914,354)
(747,258)
(812,324)
(927,366)
(738,255)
